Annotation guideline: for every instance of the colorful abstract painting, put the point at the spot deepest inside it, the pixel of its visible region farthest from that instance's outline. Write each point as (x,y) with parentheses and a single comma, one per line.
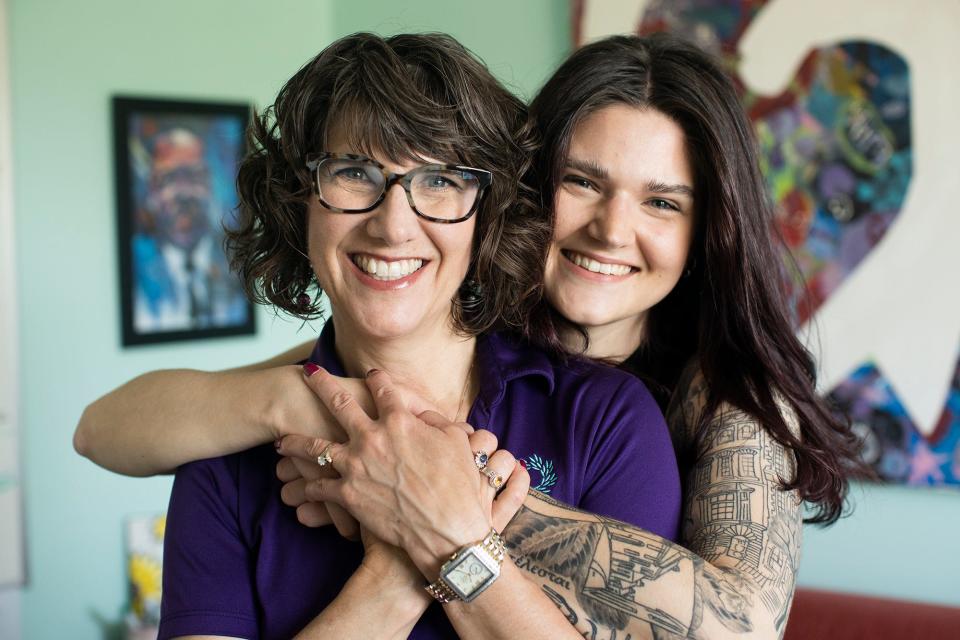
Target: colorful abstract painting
(892,444)
(835,145)
(836,150)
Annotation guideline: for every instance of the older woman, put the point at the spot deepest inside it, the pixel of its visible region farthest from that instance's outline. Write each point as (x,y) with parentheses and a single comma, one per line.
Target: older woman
(388,172)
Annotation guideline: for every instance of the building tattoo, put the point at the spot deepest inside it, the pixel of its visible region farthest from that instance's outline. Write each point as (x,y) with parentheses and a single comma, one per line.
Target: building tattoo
(741,537)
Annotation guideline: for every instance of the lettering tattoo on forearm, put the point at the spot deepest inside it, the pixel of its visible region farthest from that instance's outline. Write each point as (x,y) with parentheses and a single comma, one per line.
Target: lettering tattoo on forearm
(605,562)
(540,572)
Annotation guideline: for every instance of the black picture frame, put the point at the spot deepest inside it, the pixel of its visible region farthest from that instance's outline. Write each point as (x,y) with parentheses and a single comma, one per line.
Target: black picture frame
(175,168)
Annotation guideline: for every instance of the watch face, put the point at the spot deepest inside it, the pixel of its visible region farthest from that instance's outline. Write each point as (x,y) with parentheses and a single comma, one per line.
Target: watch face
(469,575)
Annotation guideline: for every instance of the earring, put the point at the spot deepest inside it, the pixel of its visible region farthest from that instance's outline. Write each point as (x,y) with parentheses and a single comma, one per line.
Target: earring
(303,302)
(471,296)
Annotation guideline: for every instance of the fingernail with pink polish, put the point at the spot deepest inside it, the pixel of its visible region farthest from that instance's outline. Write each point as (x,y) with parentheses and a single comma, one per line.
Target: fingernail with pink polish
(523,463)
(309,369)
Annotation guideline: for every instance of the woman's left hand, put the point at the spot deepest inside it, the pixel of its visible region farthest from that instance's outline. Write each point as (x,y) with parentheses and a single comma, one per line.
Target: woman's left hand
(411,483)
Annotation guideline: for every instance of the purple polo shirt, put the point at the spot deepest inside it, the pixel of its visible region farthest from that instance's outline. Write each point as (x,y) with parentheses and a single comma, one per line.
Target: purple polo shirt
(237,562)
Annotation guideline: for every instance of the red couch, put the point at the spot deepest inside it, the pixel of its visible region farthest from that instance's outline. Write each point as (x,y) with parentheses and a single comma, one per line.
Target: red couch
(826,615)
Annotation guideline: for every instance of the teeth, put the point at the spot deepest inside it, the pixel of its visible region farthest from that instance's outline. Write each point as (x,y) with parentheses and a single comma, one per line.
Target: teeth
(383,270)
(598,267)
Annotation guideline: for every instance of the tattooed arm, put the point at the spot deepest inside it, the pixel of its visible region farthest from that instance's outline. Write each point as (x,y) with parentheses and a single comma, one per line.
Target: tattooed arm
(734,576)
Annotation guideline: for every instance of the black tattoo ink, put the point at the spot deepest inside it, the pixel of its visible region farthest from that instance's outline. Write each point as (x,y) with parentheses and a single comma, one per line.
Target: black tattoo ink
(742,529)
(561,603)
(527,565)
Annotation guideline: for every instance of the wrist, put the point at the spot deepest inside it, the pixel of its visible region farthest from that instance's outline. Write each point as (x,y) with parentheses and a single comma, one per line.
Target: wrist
(430,554)
(395,584)
(470,571)
(274,389)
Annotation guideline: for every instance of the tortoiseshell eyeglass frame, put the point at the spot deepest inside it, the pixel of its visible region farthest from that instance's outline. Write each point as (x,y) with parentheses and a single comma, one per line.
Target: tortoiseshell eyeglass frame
(485,178)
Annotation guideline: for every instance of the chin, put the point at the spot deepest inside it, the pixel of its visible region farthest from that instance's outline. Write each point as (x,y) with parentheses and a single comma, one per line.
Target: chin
(397,323)
(583,310)
(587,317)
(387,328)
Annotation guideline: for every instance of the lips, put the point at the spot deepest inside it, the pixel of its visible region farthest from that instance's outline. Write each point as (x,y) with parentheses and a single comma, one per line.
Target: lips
(595,266)
(386,270)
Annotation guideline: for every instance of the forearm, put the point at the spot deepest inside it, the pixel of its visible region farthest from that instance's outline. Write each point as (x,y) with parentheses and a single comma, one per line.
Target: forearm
(371,606)
(612,579)
(163,419)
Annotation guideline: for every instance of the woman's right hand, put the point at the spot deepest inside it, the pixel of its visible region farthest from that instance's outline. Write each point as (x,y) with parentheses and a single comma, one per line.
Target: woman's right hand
(299,467)
(296,414)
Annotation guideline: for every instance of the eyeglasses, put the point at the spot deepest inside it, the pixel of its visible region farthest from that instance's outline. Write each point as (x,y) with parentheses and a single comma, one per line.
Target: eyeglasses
(444,193)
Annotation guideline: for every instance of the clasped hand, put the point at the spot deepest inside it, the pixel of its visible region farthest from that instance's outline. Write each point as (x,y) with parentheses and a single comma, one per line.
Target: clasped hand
(410,480)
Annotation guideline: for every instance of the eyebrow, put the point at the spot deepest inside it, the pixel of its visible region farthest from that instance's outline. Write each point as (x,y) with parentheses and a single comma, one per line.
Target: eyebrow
(589,167)
(594,170)
(678,189)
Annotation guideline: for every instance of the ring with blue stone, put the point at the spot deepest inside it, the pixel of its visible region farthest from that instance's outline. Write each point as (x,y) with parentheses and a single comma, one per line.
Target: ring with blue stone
(480,459)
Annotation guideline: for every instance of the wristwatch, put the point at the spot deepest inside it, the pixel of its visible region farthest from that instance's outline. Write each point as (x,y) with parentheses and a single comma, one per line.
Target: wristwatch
(470,570)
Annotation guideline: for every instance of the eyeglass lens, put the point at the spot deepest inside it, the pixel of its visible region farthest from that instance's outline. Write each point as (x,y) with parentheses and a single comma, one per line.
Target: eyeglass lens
(437,192)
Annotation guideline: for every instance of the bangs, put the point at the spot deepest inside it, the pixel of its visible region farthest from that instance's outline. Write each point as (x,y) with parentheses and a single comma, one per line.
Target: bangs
(406,125)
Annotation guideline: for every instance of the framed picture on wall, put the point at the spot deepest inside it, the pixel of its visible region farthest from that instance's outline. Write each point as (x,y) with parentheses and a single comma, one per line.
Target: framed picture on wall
(176,167)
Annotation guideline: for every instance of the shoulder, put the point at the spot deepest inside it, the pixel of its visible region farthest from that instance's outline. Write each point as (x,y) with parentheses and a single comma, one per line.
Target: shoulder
(691,396)
(687,403)
(696,433)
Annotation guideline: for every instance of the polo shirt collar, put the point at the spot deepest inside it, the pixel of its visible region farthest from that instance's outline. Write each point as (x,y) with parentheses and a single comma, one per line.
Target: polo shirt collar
(325,351)
(501,358)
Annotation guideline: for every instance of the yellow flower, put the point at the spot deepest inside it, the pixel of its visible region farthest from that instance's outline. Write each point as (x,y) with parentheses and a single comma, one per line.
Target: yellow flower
(159,527)
(145,578)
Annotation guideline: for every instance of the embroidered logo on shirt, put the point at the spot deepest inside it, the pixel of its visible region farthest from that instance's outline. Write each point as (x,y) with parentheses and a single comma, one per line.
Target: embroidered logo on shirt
(544,468)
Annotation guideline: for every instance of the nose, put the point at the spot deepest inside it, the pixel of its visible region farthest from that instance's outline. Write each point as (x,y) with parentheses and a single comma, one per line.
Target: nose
(612,223)
(394,221)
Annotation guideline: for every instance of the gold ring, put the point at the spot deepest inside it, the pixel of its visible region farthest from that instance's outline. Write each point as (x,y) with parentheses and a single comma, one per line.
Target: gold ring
(324,458)
(494,479)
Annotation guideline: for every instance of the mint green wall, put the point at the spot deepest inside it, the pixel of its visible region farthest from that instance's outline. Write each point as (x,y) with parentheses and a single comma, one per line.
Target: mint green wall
(522,41)
(67,59)
(899,542)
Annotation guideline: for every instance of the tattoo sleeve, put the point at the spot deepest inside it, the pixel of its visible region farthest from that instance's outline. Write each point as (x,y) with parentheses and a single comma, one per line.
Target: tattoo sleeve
(732,578)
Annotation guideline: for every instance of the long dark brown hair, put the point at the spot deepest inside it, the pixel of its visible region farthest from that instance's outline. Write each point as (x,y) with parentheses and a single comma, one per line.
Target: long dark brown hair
(407,97)
(728,314)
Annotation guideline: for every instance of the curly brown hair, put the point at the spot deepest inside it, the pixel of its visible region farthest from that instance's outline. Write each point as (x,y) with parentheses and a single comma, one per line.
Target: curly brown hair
(407,97)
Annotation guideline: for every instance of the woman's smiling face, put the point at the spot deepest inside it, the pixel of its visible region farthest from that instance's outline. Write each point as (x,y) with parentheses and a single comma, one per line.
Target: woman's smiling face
(624,221)
(388,273)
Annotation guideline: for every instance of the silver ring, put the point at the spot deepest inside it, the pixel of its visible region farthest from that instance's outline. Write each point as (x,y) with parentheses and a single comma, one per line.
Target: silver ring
(324,458)
(480,459)
(494,479)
